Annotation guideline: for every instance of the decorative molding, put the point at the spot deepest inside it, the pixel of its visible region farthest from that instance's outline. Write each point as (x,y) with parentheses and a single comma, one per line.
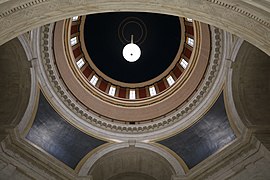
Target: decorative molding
(240,156)
(117,83)
(85,169)
(137,111)
(32,103)
(216,2)
(214,168)
(21,7)
(234,46)
(240,11)
(82,114)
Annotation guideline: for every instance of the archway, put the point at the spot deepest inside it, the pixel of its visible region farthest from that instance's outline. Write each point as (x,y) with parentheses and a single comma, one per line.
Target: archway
(246,20)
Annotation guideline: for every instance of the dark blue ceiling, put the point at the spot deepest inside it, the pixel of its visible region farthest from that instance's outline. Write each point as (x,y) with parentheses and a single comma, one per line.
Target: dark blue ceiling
(69,145)
(57,137)
(209,134)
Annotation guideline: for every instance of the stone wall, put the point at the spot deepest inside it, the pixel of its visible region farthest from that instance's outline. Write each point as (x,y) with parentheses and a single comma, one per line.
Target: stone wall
(15,85)
(251,87)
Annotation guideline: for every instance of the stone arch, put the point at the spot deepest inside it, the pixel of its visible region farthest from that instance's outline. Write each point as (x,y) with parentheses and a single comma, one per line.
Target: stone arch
(250,88)
(248,20)
(130,162)
(15,84)
(175,165)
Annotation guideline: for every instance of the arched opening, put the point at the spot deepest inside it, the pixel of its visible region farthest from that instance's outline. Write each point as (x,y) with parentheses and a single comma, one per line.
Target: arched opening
(130,163)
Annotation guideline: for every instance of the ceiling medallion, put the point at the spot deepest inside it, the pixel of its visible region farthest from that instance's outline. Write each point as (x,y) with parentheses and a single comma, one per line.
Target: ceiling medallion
(132,26)
(158,39)
(131,52)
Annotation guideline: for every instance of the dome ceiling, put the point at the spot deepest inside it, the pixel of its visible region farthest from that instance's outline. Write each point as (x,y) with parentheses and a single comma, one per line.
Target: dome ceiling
(157,35)
(72,127)
(132,102)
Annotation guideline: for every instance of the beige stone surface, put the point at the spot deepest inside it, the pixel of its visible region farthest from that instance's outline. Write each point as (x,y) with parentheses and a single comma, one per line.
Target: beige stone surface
(247,20)
(8,171)
(142,110)
(251,86)
(253,168)
(119,164)
(259,170)
(14,84)
(132,176)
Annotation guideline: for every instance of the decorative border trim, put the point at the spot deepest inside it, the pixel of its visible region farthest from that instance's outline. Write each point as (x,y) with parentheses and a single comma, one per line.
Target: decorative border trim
(241,11)
(117,100)
(144,84)
(99,122)
(21,7)
(90,162)
(219,3)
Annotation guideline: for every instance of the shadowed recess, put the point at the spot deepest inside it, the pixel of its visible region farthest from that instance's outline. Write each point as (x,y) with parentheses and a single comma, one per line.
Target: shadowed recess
(209,134)
(53,134)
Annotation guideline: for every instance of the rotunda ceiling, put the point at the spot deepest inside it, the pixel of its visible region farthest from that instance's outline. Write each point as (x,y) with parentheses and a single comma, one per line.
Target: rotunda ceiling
(90,112)
(186,116)
(132,102)
(157,35)
(132,108)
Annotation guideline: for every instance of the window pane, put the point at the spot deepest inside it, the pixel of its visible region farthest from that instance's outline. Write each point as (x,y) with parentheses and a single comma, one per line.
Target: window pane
(80,63)
(94,80)
(170,80)
(152,91)
(190,41)
(183,63)
(112,91)
(132,94)
(75,18)
(73,41)
(189,19)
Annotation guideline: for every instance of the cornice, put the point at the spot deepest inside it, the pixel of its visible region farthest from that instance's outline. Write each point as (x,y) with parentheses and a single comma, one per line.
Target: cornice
(240,11)
(216,2)
(123,109)
(21,7)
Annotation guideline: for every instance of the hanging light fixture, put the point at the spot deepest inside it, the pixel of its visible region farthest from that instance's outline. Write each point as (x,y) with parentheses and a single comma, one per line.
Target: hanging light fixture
(131,51)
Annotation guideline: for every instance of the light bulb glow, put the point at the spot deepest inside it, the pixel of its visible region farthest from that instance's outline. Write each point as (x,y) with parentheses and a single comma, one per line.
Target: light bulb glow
(131,52)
